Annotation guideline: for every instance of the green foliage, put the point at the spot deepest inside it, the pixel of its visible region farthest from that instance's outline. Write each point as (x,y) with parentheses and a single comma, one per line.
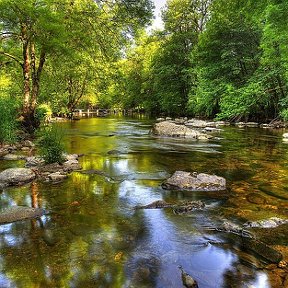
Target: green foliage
(241,62)
(43,112)
(8,123)
(222,58)
(51,144)
(64,48)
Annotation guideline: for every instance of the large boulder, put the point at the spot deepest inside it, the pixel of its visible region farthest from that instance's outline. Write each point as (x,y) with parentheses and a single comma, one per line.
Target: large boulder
(181,180)
(169,129)
(16,176)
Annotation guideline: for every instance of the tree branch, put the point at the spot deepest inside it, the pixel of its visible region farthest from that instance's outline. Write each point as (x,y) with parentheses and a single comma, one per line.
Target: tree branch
(12,57)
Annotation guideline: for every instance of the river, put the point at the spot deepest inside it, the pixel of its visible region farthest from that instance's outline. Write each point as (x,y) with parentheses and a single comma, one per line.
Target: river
(93,237)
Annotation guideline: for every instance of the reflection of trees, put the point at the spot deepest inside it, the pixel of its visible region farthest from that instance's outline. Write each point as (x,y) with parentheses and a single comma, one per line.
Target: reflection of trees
(77,244)
(87,239)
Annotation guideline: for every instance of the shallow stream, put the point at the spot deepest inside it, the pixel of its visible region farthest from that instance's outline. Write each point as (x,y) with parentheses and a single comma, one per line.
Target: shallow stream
(93,237)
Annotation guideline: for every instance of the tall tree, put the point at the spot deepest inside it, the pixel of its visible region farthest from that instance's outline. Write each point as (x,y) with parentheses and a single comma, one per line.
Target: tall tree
(184,21)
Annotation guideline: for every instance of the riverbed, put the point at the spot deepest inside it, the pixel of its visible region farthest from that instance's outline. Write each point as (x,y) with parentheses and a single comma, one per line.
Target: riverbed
(93,237)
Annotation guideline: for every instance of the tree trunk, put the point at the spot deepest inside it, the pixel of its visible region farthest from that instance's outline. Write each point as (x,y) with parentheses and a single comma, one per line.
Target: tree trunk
(36,73)
(26,71)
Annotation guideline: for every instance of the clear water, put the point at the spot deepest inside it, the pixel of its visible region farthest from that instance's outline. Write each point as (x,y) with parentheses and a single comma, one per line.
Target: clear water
(93,236)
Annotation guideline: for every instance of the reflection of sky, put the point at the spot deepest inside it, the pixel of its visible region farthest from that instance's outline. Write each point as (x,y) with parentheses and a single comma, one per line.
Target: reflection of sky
(176,246)
(5,282)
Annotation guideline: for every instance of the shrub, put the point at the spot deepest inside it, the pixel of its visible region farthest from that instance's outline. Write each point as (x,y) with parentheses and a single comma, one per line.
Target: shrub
(43,113)
(51,144)
(8,122)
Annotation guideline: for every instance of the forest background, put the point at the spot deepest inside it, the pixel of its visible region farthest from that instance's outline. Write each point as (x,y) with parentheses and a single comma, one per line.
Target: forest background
(212,59)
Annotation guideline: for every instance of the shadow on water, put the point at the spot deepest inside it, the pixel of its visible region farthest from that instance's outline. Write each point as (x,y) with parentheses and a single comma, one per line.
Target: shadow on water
(93,237)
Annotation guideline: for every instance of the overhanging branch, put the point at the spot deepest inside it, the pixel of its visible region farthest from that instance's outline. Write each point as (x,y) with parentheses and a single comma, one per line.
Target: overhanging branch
(12,57)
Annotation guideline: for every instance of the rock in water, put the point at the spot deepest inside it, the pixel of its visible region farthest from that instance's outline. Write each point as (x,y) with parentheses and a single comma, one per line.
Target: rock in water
(266,223)
(187,280)
(16,176)
(17,213)
(181,180)
(169,129)
(155,205)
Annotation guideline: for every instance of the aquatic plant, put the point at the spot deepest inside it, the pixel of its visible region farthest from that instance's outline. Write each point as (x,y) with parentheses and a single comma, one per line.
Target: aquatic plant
(51,145)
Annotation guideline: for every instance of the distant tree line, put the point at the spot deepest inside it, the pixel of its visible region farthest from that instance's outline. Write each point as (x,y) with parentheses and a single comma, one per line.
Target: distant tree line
(213,59)
(223,58)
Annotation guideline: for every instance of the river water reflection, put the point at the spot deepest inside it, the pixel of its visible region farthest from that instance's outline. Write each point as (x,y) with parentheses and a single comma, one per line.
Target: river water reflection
(92,236)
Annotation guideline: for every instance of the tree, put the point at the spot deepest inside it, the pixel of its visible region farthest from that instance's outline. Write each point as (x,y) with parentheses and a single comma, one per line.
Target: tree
(24,26)
(184,21)
(43,28)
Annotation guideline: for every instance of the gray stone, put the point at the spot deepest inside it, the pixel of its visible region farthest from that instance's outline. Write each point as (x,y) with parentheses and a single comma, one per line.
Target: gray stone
(34,161)
(16,176)
(57,176)
(272,222)
(71,157)
(181,180)
(71,165)
(16,213)
(13,157)
(179,121)
(285,135)
(170,129)
(196,123)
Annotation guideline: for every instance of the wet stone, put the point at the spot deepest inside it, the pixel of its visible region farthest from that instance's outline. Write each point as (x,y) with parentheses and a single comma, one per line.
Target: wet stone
(17,213)
(181,180)
(16,176)
(57,176)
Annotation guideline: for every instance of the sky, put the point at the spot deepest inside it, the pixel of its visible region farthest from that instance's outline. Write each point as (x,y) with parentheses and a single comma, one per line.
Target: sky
(157,13)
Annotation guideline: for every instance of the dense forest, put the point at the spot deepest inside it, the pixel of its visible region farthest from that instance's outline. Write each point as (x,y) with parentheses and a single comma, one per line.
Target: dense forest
(213,59)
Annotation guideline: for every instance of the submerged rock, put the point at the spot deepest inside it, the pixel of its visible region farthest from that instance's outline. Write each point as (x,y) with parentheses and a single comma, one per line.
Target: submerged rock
(188,207)
(256,198)
(181,208)
(155,205)
(16,176)
(170,129)
(181,180)
(262,250)
(17,213)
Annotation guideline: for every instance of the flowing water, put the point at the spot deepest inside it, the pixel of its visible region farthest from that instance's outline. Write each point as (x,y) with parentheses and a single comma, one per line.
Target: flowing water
(93,237)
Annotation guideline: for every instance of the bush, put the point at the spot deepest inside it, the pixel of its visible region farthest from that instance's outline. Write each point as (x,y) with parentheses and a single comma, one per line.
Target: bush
(51,144)
(43,113)
(8,122)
